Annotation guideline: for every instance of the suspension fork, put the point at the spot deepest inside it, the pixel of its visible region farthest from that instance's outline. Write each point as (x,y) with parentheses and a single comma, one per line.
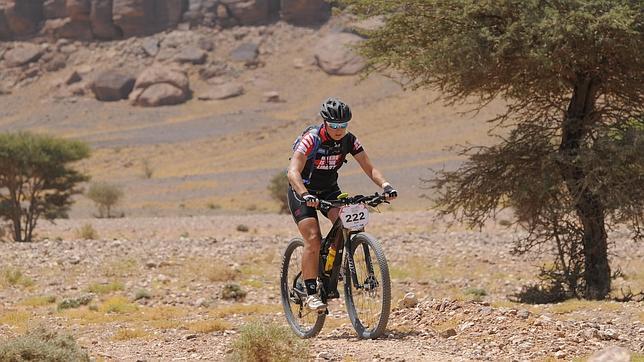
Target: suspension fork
(351,268)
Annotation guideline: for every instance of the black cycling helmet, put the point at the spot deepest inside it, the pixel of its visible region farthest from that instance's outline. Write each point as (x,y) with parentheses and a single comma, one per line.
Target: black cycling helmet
(333,110)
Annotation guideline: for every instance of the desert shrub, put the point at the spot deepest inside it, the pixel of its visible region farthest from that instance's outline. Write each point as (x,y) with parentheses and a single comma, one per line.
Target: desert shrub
(142,294)
(148,170)
(105,288)
(243,228)
(261,341)
(44,345)
(71,303)
(476,294)
(86,232)
(105,196)
(38,301)
(125,334)
(14,277)
(277,188)
(233,291)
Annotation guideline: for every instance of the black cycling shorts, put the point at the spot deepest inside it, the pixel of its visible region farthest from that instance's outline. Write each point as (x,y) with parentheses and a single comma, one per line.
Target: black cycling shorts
(298,207)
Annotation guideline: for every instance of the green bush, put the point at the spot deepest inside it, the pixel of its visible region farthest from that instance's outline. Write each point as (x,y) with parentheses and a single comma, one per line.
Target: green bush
(277,188)
(233,291)
(43,345)
(71,303)
(261,341)
(105,196)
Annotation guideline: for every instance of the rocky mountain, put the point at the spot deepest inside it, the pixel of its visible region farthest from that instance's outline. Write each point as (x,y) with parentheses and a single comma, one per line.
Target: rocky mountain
(117,19)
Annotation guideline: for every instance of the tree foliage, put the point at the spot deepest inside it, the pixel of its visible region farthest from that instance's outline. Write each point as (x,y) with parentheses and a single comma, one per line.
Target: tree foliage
(105,196)
(36,179)
(570,161)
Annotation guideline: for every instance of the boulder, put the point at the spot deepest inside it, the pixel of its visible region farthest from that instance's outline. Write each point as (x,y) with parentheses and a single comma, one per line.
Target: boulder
(611,354)
(248,12)
(162,94)
(78,9)
(191,54)
(54,9)
(161,74)
(144,17)
(101,20)
(246,52)
(23,54)
(223,91)
(160,86)
(150,46)
(69,28)
(305,12)
(24,16)
(335,56)
(112,85)
(5,31)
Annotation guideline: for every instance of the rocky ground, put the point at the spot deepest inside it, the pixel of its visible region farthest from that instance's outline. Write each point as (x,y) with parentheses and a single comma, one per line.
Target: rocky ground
(157,284)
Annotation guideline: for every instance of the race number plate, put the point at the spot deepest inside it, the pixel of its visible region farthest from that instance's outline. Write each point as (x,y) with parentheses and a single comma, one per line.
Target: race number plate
(354,217)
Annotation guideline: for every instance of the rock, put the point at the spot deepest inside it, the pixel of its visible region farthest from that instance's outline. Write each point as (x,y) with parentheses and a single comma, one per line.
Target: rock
(272,96)
(611,354)
(150,46)
(145,17)
(335,56)
(213,70)
(248,12)
(69,28)
(57,62)
(608,334)
(191,336)
(305,12)
(560,354)
(112,86)
(408,301)
(206,44)
(192,55)
(22,18)
(523,314)
(298,63)
(54,9)
(161,74)
(324,355)
(223,91)
(78,9)
(101,20)
(150,264)
(72,78)
(246,52)
(22,54)
(447,333)
(366,25)
(162,94)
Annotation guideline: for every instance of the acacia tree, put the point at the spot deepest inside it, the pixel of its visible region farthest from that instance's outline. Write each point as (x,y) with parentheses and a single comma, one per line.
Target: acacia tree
(571,161)
(36,179)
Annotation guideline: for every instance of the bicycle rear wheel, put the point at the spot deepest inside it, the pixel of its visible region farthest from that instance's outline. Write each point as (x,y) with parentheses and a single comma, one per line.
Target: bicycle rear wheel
(305,323)
(367,290)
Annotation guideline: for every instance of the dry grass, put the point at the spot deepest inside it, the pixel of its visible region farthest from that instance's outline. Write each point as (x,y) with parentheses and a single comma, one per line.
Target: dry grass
(119,268)
(17,318)
(209,326)
(14,277)
(38,301)
(125,334)
(211,270)
(253,283)
(118,305)
(574,305)
(244,309)
(445,325)
(100,288)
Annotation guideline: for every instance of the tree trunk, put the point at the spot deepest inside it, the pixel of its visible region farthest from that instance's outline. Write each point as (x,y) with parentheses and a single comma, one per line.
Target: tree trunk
(588,206)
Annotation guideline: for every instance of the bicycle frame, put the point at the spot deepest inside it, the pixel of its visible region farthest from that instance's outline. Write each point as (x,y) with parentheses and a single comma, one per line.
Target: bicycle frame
(343,242)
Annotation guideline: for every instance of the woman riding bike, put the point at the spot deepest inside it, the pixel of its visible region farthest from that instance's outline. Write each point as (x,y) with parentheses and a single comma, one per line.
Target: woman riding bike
(313,175)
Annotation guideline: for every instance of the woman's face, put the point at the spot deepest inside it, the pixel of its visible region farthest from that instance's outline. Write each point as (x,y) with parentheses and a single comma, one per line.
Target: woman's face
(336,130)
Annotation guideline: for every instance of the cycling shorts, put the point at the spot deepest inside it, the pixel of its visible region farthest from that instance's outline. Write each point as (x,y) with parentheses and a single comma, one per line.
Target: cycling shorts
(299,209)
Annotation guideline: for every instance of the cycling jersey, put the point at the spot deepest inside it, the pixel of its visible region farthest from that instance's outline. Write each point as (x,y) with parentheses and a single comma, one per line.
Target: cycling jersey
(330,156)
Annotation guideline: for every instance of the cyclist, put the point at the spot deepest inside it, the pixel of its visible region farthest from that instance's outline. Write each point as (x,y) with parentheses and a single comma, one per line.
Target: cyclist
(314,177)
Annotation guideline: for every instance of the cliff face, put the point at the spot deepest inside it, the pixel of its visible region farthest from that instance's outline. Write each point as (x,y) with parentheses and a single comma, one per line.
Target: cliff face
(115,19)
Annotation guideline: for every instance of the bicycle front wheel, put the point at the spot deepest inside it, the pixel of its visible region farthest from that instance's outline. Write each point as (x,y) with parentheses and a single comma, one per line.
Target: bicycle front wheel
(367,288)
(305,323)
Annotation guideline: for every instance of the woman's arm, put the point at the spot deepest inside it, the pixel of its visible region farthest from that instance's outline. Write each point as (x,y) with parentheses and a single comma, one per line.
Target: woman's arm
(374,174)
(294,172)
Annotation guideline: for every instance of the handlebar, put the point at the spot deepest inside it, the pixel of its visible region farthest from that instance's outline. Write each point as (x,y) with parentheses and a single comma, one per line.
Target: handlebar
(371,200)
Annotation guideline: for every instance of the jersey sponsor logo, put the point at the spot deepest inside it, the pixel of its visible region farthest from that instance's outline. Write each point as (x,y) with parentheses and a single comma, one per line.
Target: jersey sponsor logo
(328,162)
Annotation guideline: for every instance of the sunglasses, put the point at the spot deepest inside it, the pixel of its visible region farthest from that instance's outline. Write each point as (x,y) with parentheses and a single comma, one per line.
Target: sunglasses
(338,125)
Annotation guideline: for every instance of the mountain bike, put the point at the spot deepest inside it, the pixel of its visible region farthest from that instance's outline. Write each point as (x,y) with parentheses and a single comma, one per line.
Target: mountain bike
(347,254)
